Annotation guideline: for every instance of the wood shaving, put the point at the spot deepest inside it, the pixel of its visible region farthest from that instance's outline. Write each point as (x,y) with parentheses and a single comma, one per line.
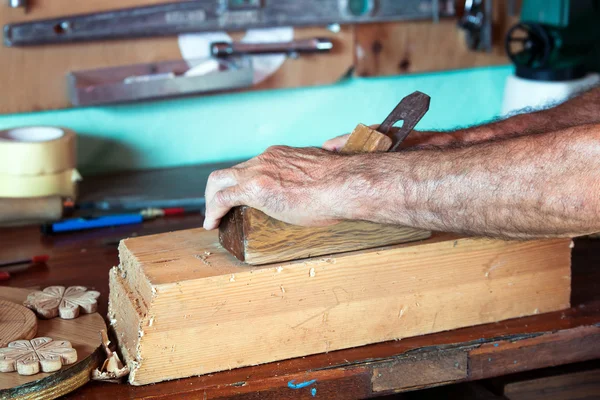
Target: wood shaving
(112,369)
(203,257)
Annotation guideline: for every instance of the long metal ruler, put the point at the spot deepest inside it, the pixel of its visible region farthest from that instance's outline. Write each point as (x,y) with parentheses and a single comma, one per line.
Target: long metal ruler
(210,15)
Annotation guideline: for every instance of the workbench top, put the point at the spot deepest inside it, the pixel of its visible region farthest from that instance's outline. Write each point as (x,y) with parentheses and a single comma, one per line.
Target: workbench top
(465,354)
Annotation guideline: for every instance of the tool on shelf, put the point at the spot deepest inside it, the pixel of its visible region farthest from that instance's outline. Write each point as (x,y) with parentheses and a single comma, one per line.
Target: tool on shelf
(39,259)
(158,80)
(210,15)
(477,24)
(18,4)
(292,48)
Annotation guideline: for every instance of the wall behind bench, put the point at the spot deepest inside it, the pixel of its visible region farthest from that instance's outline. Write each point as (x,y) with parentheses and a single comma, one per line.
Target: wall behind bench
(228,127)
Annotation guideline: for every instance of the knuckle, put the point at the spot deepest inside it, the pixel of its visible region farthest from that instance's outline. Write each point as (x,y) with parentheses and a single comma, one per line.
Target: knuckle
(222,198)
(262,182)
(216,175)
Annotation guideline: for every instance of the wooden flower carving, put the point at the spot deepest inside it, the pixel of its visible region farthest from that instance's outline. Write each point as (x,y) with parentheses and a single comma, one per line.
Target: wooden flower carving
(55,300)
(27,357)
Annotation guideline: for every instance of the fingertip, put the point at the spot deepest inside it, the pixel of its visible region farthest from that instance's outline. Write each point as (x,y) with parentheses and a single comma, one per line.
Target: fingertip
(209,224)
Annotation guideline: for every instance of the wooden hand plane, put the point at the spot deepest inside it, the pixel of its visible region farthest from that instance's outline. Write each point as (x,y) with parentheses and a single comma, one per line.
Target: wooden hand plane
(252,236)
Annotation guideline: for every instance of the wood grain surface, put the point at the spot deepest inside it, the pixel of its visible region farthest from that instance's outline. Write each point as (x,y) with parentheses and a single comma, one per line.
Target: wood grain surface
(16,322)
(35,76)
(255,238)
(420,46)
(180,297)
(84,335)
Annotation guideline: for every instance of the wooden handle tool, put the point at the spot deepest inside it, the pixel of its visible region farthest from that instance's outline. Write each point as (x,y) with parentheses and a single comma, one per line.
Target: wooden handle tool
(252,236)
(410,110)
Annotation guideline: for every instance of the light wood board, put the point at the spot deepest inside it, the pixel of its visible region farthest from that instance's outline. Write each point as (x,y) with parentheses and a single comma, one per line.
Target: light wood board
(181,305)
(84,335)
(35,76)
(16,322)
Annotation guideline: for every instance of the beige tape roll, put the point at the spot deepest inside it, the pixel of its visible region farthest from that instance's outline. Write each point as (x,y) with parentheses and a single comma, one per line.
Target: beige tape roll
(62,184)
(37,150)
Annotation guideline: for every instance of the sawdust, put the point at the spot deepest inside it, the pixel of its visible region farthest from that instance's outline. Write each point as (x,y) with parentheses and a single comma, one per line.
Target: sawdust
(311,273)
(203,257)
(401,313)
(232,278)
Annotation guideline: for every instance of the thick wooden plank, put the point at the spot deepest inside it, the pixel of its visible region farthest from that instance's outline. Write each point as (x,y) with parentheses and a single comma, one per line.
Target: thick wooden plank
(193,298)
(35,76)
(253,237)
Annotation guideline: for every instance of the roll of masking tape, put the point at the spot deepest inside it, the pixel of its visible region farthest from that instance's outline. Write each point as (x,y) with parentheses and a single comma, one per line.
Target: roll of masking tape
(37,150)
(62,184)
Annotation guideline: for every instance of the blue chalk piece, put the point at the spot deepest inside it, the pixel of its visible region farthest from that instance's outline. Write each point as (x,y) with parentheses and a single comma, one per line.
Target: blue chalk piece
(495,344)
(313,392)
(301,385)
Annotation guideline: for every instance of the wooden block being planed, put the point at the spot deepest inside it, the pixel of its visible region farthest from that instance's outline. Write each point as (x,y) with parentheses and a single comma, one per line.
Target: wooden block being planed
(256,238)
(181,305)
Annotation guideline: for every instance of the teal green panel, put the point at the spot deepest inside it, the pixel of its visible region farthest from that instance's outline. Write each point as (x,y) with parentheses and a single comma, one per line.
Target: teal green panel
(551,12)
(236,126)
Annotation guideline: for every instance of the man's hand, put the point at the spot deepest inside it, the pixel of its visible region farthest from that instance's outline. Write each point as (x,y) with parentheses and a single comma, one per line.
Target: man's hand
(302,186)
(336,143)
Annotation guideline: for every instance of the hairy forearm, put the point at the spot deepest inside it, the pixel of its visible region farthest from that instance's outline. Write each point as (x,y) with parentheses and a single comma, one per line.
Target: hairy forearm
(579,110)
(544,185)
